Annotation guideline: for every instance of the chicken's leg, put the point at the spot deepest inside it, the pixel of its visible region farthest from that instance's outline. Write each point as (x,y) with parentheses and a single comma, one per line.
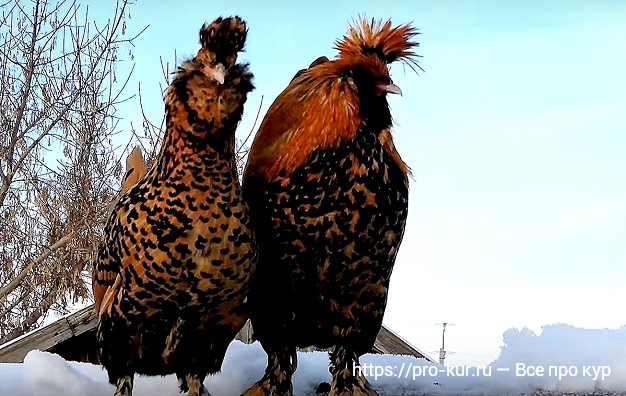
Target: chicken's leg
(193,384)
(124,386)
(348,380)
(115,351)
(196,357)
(278,374)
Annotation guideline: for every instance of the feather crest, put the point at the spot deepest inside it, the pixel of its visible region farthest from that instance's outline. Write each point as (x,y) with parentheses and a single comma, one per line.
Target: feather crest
(379,38)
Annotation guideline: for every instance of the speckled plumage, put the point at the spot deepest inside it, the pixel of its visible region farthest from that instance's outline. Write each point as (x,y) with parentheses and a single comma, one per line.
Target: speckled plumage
(328,195)
(179,252)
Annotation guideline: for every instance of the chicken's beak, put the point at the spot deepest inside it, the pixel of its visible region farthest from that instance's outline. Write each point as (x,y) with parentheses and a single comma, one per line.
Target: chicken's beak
(391,88)
(217,72)
(220,73)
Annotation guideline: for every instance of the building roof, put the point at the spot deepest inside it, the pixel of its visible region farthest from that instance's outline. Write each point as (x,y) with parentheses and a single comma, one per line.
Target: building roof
(72,337)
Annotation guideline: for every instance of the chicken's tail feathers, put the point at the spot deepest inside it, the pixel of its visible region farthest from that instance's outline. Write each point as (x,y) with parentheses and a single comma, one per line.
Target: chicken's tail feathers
(378,37)
(135,169)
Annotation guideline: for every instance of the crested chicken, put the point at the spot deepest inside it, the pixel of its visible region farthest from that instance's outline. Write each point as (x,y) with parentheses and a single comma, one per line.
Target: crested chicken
(173,271)
(328,196)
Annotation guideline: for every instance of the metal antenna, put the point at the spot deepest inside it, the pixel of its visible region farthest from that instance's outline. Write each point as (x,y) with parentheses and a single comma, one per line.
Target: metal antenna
(442,351)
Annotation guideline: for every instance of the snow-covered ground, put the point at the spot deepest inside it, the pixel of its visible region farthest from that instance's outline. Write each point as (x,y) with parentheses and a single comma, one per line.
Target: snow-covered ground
(581,360)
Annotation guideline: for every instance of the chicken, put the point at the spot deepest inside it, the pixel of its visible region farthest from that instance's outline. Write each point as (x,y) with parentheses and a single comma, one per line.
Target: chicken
(173,272)
(328,196)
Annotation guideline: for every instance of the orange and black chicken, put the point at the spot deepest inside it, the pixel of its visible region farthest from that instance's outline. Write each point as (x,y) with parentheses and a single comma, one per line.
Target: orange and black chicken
(178,255)
(328,196)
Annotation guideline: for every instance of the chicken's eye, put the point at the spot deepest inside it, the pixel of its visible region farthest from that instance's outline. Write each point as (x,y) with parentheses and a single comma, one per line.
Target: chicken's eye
(350,80)
(384,80)
(352,84)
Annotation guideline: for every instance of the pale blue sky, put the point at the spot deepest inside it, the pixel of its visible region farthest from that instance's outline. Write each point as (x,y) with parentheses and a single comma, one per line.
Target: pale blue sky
(516,134)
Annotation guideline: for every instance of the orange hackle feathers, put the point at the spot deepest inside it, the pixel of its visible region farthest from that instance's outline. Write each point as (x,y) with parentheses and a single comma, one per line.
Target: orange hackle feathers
(293,128)
(320,109)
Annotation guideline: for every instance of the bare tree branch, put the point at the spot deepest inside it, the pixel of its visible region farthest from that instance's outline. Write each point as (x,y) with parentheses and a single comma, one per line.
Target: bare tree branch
(20,277)
(59,165)
(32,318)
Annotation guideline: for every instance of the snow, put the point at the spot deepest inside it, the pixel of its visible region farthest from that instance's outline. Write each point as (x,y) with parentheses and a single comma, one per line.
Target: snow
(603,350)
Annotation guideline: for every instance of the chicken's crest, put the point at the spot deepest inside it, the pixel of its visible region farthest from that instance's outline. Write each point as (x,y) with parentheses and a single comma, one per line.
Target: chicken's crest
(377,37)
(222,40)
